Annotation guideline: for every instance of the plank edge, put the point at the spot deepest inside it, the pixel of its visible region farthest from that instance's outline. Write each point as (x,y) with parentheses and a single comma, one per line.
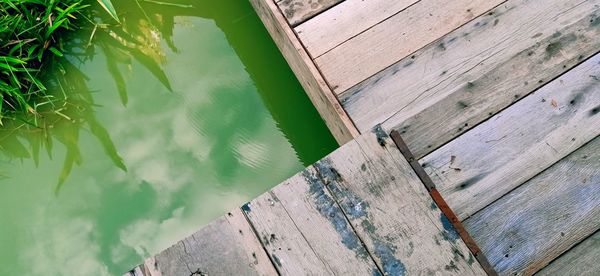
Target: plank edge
(311,79)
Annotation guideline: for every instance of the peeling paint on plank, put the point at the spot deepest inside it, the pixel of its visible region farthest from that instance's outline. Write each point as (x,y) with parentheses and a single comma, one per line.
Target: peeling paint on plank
(450,233)
(246,207)
(329,209)
(390,264)
(380,134)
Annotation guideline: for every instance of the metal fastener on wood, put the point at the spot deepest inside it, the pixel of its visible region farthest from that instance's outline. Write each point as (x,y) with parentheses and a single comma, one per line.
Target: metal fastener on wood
(441,203)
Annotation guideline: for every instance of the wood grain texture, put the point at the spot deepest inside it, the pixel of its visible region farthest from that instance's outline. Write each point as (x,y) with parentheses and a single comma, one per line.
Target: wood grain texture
(460,80)
(395,38)
(310,78)
(298,11)
(305,232)
(148,268)
(344,21)
(581,260)
(498,155)
(535,223)
(228,246)
(391,210)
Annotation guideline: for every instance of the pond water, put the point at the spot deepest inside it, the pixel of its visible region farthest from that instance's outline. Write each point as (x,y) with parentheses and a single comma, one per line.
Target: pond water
(199,117)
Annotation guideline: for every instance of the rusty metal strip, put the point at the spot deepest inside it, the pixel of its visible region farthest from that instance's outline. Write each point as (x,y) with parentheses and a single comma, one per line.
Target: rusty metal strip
(414,163)
(464,234)
(441,203)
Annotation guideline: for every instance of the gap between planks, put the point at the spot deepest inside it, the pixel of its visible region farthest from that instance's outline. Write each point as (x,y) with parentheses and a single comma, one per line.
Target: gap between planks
(299,11)
(459,89)
(344,22)
(537,222)
(391,40)
(514,145)
(391,236)
(581,260)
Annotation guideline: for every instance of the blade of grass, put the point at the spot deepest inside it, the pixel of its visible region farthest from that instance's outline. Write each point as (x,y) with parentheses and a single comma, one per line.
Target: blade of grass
(108,6)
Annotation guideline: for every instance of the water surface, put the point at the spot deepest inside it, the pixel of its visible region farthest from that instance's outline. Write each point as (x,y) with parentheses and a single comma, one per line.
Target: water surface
(153,153)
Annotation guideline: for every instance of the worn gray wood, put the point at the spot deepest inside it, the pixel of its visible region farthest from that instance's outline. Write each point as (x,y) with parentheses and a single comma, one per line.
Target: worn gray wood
(305,232)
(308,75)
(344,21)
(460,80)
(391,210)
(498,155)
(535,223)
(298,11)
(581,260)
(148,268)
(227,246)
(389,41)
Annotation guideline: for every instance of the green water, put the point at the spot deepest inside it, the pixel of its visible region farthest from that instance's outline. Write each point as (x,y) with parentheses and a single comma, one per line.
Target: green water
(143,168)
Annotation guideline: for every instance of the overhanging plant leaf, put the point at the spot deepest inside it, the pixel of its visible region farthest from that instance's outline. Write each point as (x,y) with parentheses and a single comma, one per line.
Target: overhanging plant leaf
(108,6)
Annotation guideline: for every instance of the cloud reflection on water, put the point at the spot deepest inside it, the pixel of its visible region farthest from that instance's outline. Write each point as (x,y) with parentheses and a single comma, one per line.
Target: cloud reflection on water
(191,155)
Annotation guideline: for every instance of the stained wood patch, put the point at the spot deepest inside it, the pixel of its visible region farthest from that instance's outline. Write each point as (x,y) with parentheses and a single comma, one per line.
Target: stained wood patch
(391,210)
(535,223)
(227,246)
(305,231)
(148,268)
(444,89)
(310,78)
(442,204)
(298,11)
(581,260)
(344,21)
(495,157)
(389,41)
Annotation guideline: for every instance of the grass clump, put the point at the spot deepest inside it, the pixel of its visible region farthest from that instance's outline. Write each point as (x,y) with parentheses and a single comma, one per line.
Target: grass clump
(44,96)
(34,35)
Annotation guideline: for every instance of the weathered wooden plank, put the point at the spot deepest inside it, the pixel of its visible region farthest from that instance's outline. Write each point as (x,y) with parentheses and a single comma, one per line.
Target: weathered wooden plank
(389,41)
(310,78)
(581,260)
(455,83)
(227,246)
(344,21)
(500,154)
(442,204)
(391,210)
(535,223)
(298,11)
(148,268)
(305,232)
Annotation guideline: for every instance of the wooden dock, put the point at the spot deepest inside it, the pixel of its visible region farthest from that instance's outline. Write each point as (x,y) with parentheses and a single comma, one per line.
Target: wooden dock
(494,109)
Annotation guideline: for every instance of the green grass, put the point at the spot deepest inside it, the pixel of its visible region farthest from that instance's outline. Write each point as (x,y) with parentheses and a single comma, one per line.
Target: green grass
(34,36)
(41,88)
(44,97)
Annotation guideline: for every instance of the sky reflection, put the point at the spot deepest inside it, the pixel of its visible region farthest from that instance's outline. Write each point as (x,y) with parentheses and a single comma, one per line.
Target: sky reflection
(223,135)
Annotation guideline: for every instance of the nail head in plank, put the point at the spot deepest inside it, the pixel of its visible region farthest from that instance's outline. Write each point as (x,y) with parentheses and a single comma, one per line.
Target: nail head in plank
(310,78)
(305,232)
(391,210)
(485,63)
(498,155)
(395,38)
(581,260)
(535,223)
(227,246)
(344,21)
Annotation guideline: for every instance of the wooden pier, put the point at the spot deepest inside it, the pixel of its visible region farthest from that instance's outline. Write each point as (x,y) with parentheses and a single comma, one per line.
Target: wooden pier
(471,145)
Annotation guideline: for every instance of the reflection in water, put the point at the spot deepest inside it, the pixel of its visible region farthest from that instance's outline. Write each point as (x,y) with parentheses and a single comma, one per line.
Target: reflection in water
(209,116)
(24,136)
